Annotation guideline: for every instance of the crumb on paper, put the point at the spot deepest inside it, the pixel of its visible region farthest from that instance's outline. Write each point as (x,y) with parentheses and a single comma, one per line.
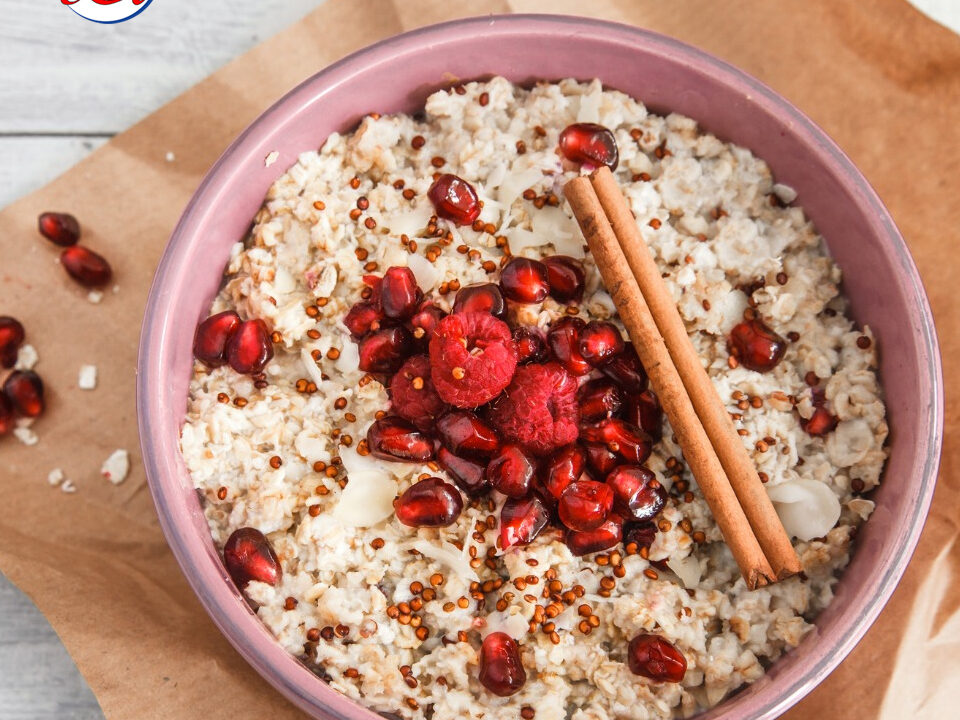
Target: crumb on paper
(271,159)
(116,467)
(95,296)
(67,486)
(27,358)
(56,476)
(87,379)
(170,156)
(25,435)
(116,289)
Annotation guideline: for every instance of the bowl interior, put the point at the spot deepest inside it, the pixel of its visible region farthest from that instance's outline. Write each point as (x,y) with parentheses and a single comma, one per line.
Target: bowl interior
(397,75)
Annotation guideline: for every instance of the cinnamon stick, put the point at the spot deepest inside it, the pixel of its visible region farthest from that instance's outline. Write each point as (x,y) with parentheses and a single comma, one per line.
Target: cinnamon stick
(714,417)
(666,382)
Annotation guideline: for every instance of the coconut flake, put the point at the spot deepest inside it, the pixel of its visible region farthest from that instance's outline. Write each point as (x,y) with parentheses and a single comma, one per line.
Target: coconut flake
(349,359)
(411,221)
(95,296)
(271,159)
(688,569)
(452,558)
(513,625)
(424,271)
(367,499)
(515,183)
(116,467)
(25,435)
(807,508)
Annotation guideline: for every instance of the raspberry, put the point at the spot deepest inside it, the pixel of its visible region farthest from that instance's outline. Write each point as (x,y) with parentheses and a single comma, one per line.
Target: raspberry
(422,405)
(473,358)
(539,409)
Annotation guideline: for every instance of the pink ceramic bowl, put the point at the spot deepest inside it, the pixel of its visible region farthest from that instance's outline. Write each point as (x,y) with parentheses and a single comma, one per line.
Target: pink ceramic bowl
(397,75)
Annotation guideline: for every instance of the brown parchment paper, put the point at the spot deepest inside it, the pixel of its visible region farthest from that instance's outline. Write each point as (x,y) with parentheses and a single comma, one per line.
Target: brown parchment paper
(882,79)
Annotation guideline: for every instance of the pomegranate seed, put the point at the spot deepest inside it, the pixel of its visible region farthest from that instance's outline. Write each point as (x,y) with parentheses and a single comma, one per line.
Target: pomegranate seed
(396,439)
(644,411)
(501,671)
(250,348)
(601,538)
(427,317)
(463,433)
(521,520)
(212,336)
(24,390)
(511,471)
(470,476)
(454,199)
(600,459)
(599,399)
(627,440)
(600,342)
(361,317)
(59,228)
(756,346)
(564,467)
(585,504)
(432,502)
(566,278)
(8,415)
(85,266)
(531,345)
(564,341)
(11,337)
(641,533)
(589,143)
(524,280)
(481,297)
(820,423)
(399,293)
(249,556)
(655,658)
(385,350)
(637,493)
(627,371)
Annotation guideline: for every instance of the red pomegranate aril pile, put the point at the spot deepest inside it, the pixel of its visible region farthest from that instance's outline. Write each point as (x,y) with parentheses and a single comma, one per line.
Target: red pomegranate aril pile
(820,423)
(501,671)
(601,538)
(249,556)
(398,440)
(59,228)
(454,199)
(469,475)
(24,390)
(425,321)
(653,657)
(250,347)
(362,318)
(637,492)
(531,344)
(599,399)
(384,350)
(600,342)
(522,520)
(512,471)
(627,371)
(600,458)
(85,266)
(413,395)
(399,293)
(564,341)
(644,411)
(212,336)
(561,469)
(756,346)
(432,502)
(481,297)
(627,440)
(589,143)
(463,433)
(641,533)
(8,415)
(585,504)
(11,337)
(524,280)
(566,278)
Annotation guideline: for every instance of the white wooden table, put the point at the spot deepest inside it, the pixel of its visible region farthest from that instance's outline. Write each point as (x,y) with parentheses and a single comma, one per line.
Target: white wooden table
(55,107)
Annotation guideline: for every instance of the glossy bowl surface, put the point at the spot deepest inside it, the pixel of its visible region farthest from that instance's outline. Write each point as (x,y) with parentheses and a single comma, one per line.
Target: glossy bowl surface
(397,75)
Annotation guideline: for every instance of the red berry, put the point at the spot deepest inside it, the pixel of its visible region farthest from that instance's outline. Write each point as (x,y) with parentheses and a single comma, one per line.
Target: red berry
(8,416)
(627,371)
(756,346)
(24,390)
(600,459)
(11,337)
(652,657)
(424,323)
(564,341)
(599,399)
(399,293)
(454,199)
(384,350)
(481,297)
(469,475)
(393,438)
(600,342)
(561,469)
(641,533)
(627,440)
(531,344)
(637,492)
(644,411)
(212,336)
(511,471)
(59,228)
(85,266)
(413,395)
(524,280)
(538,410)
(473,358)
(585,504)
(432,502)
(589,143)
(250,348)
(501,671)
(566,278)
(521,520)
(463,433)
(601,538)
(820,423)
(362,318)
(249,556)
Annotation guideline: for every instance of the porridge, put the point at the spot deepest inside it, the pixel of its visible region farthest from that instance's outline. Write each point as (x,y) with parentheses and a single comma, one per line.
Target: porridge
(431,459)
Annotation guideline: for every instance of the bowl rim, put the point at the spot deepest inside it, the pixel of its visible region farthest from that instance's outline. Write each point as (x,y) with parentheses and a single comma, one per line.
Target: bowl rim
(243,630)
